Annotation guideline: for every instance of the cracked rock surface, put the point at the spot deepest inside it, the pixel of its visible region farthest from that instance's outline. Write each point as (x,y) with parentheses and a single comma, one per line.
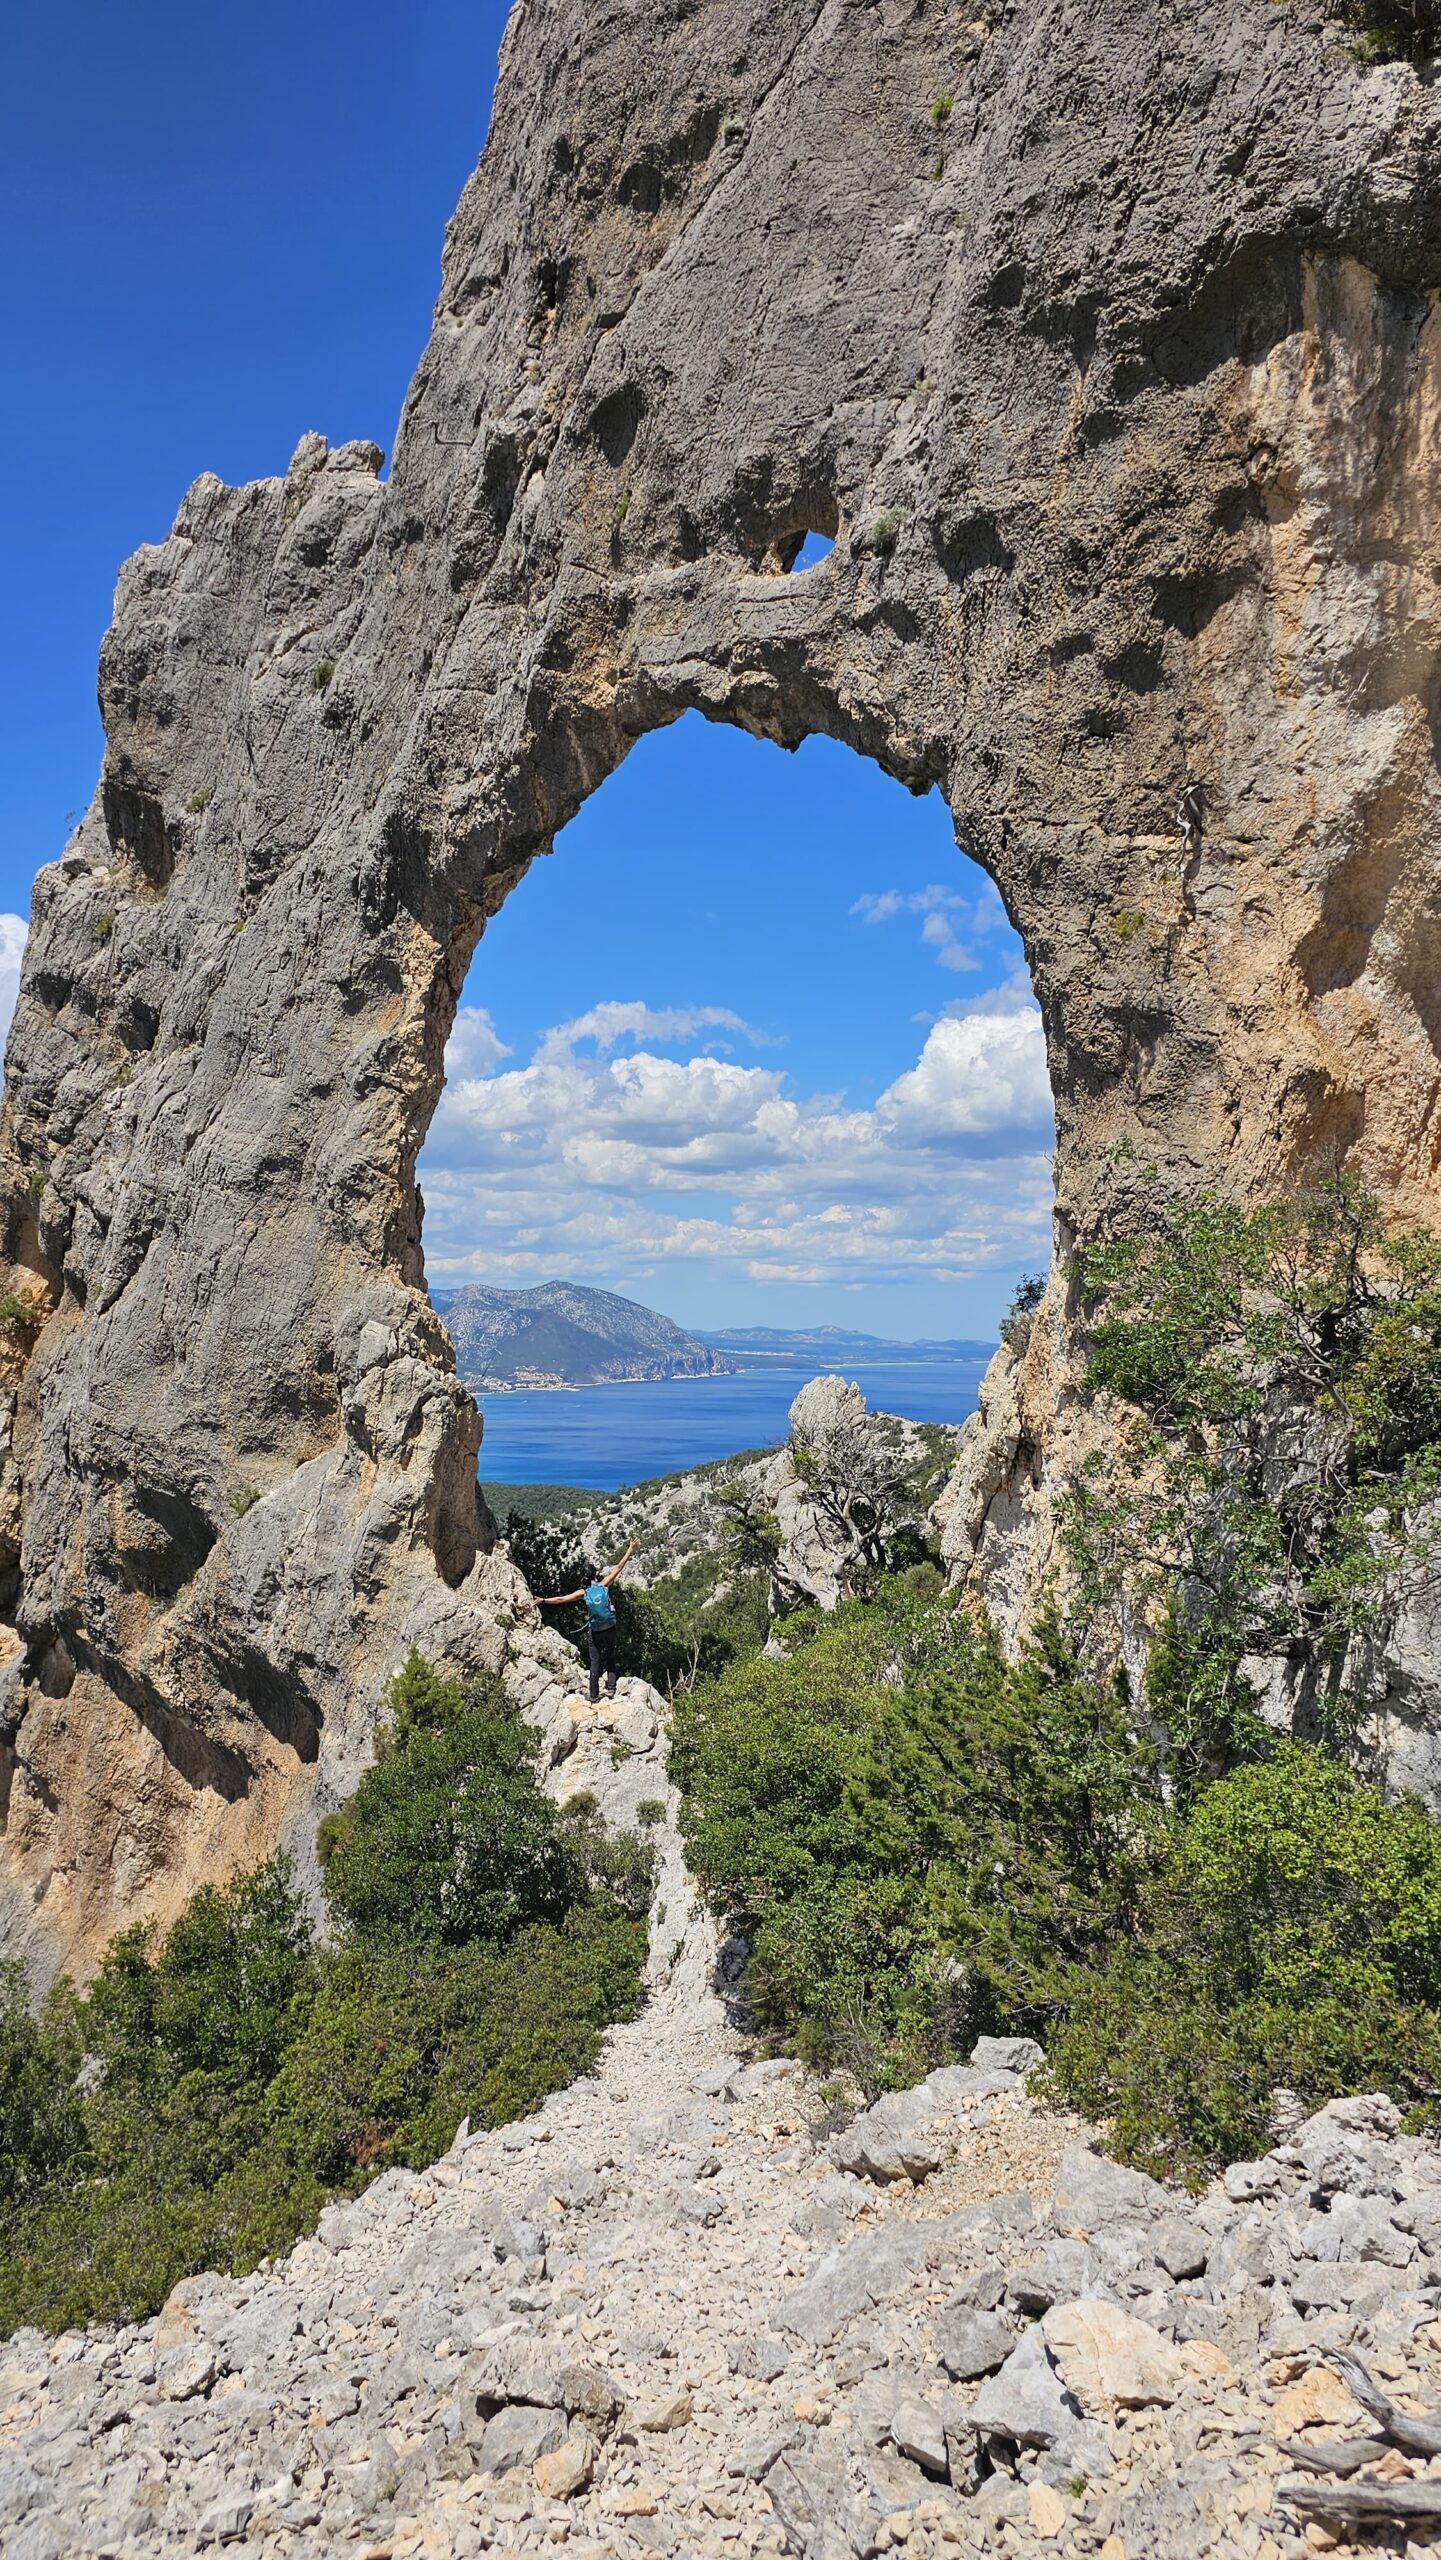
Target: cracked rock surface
(1104,342)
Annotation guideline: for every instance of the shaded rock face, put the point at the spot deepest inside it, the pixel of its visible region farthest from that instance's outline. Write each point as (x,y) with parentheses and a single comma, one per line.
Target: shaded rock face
(1116,379)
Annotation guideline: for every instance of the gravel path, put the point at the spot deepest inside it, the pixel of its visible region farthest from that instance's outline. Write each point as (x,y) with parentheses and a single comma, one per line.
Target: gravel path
(681,2310)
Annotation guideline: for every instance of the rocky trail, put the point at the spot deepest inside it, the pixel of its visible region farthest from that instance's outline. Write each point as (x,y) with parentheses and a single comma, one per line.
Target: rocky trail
(683,2309)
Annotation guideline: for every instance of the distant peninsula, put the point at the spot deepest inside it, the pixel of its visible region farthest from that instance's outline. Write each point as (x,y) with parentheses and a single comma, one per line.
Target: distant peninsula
(563,1335)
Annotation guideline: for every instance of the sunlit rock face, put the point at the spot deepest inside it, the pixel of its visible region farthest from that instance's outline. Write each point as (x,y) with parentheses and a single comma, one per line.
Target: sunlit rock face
(1105,344)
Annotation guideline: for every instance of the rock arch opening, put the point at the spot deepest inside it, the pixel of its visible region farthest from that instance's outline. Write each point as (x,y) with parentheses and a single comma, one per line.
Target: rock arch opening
(754,1045)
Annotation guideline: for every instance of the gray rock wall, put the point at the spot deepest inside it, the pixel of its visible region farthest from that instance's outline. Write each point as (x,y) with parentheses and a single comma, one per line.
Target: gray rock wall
(1104,339)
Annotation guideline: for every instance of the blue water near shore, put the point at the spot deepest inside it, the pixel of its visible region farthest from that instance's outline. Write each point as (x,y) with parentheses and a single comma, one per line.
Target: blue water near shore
(602,1437)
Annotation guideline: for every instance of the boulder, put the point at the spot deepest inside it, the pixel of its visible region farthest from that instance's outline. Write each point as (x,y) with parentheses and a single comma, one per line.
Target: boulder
(1318,2399)
(517,2438)
(1246,2179)
(1027,2401)
(918,2432)
(227,2519)
(1067,2268)
(567,2470)
(187,2372)
(661,2417)
(1179,2246)
(586,2392)
(972,2343)
(1361,2228)
(1107,2360)
(516,2368)
(851,2280)
(762,2359)
(1006,2053)
(1346,2147)
(886,2144)
(1091,2191)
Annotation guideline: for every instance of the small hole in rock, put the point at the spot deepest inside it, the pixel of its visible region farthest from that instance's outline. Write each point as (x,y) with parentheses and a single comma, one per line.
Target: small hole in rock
(812,547)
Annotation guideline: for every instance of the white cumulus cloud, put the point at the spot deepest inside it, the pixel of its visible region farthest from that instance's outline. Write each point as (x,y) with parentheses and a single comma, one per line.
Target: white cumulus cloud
(473,1047)
(604,1157)
(982,1073)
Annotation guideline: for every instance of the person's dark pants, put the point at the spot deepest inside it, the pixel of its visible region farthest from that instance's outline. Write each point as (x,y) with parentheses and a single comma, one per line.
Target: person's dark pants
(602,1658)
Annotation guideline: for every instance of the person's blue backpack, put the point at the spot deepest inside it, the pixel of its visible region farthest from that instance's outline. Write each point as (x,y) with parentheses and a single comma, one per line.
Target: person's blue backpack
(599,1606)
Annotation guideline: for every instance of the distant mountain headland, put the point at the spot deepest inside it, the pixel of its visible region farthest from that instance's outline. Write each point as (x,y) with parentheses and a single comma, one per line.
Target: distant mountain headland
(563,1335)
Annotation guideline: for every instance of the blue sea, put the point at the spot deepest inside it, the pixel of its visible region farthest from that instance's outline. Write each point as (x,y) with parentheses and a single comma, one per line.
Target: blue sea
(602,1437)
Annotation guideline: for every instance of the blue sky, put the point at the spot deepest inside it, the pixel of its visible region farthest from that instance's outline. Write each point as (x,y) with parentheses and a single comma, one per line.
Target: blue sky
(755,1044)
(805,1085)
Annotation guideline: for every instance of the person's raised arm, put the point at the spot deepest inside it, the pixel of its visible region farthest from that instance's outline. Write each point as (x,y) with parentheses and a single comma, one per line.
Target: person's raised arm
(620,1563)
(556,1599)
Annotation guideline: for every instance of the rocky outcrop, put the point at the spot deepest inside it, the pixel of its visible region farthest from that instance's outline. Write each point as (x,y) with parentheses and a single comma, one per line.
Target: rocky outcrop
(1104,342)
(832,1496)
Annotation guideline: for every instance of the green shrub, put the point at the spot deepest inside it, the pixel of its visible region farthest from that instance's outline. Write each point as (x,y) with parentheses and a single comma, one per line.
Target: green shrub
(1290,1938)
(880,533)
(236,2075)
(102,928)
(401,2044)
(322,675)
(1393,30)
(42,2125)
(1273,1492)
(448,1838)
(920,1841)
(217,2002)
(1015,1328)
(916,1839)
(198,803)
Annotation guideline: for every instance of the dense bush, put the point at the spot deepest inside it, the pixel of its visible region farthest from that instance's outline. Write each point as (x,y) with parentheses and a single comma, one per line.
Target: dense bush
(916,1839)
(448,1837)
(196,2107)
(401,2047)
(1273,1490)
(42,2125)
(1290,1937)
(921,1842)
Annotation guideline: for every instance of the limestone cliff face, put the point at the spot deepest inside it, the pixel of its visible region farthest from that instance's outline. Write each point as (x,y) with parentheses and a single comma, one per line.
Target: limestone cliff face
(1105,340)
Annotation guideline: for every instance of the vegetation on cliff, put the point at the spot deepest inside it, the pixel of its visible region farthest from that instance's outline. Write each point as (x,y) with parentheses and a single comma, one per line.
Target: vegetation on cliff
(1393,30)
(198,2105)
(1269,1505)
(1190,1906)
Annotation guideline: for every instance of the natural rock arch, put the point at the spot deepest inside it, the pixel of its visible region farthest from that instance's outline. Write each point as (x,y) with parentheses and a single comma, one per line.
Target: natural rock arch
(1105,340)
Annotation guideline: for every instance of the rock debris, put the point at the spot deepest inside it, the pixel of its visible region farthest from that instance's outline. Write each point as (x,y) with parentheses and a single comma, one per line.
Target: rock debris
(680,2311)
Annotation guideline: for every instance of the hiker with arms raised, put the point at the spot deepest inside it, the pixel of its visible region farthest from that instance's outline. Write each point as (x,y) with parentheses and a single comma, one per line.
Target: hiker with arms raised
(599,1621)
